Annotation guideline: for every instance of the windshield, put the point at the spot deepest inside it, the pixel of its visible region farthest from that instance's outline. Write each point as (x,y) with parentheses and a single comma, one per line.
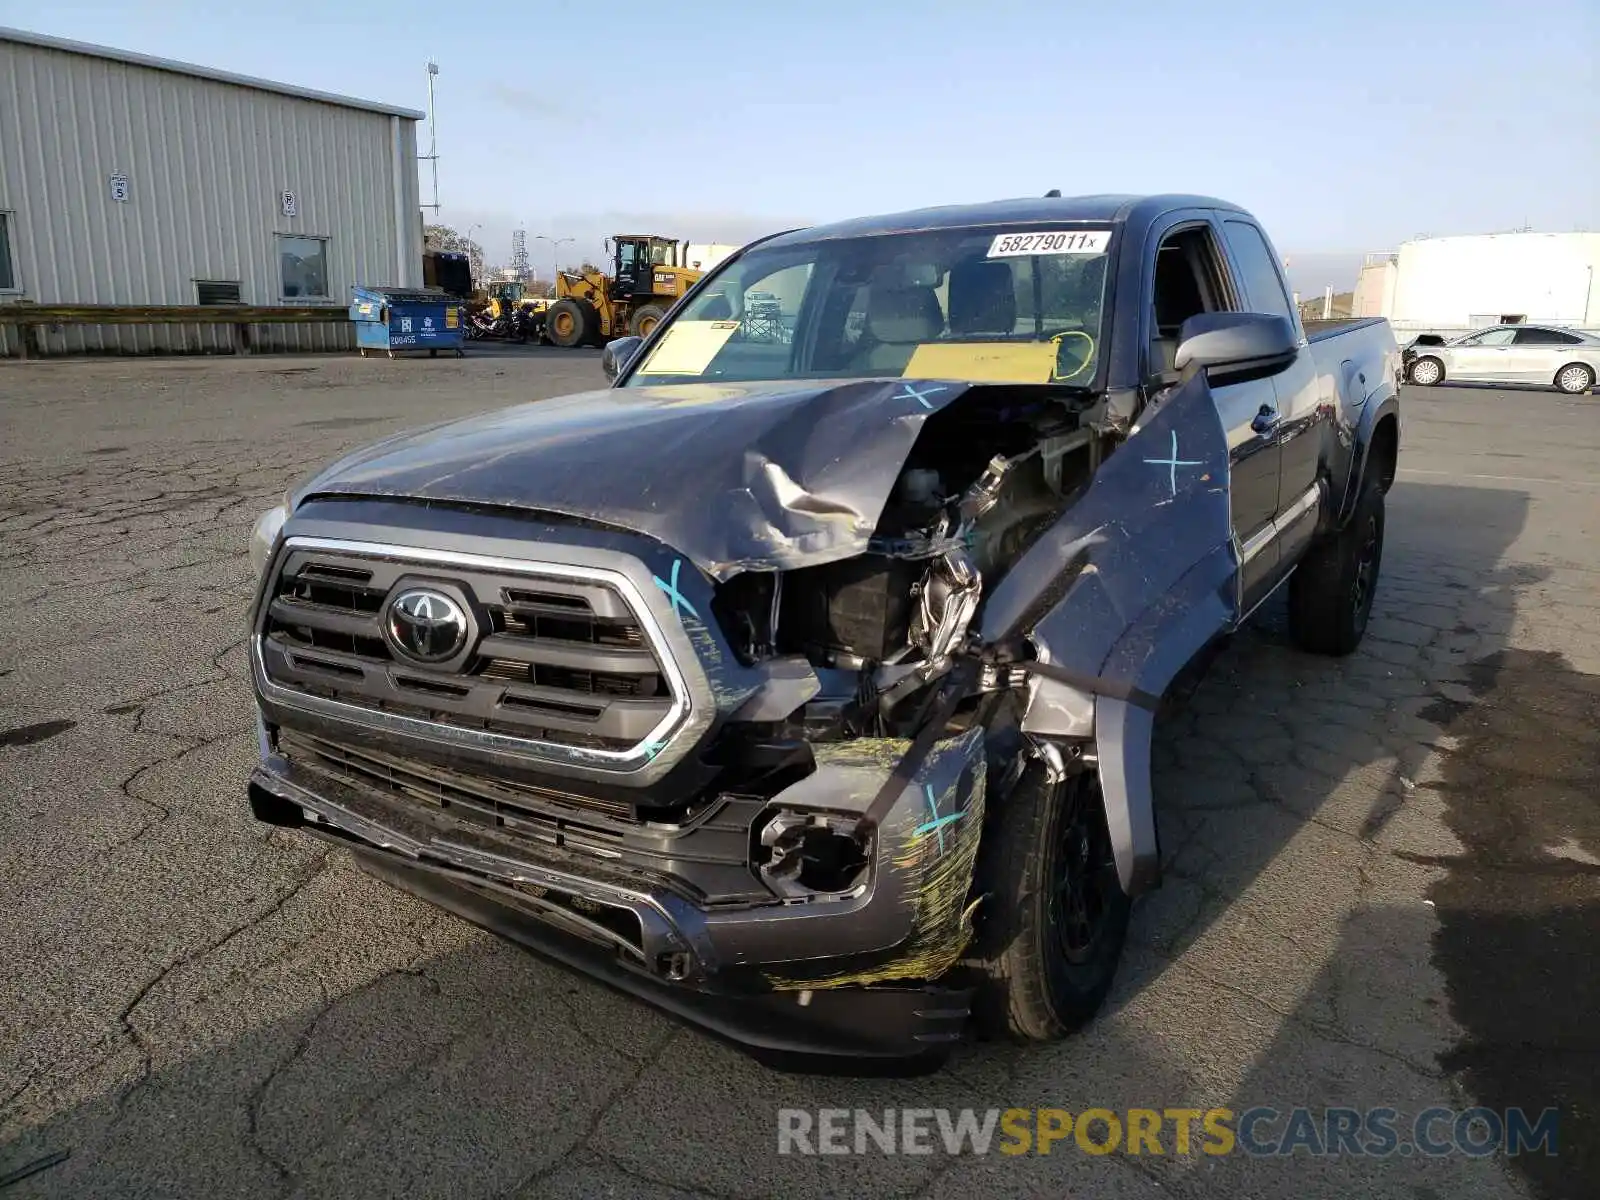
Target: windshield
(977,305)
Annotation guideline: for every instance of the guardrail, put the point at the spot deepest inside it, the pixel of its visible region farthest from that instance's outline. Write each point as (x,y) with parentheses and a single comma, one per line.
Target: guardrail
(30,318)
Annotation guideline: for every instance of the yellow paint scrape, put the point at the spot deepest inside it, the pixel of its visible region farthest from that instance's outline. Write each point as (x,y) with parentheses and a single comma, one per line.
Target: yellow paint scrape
(941,926)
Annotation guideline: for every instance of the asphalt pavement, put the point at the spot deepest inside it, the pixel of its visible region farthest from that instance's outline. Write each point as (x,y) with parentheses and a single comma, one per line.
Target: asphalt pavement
(1383,883)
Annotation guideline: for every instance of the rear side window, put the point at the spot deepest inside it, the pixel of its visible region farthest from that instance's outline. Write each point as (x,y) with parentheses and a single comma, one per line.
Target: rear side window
(1545,337)
(1259,273)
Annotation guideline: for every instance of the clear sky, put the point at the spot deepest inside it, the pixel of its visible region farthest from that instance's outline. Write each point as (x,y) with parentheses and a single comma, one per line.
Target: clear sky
(1346,127)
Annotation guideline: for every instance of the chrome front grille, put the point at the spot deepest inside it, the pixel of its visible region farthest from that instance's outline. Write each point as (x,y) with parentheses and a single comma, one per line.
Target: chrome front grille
(558,657)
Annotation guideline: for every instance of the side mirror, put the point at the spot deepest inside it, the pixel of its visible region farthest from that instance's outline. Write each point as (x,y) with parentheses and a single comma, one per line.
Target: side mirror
(616,356)
(1233,347)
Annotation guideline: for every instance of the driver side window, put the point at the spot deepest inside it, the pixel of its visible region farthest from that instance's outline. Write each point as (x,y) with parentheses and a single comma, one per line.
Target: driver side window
(1188,282)
(1494,337)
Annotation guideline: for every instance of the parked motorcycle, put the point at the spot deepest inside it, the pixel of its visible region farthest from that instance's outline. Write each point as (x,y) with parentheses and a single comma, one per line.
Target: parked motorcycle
(519,324)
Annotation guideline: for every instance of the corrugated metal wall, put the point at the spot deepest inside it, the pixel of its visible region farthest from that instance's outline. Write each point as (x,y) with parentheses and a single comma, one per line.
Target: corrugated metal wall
(206,164)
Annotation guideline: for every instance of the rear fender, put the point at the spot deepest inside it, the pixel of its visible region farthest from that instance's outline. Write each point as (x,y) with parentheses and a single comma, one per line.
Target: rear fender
(1384,402)
(1131,583)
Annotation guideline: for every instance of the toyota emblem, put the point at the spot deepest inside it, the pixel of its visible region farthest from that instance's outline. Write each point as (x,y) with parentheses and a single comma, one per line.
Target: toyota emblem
(426,625)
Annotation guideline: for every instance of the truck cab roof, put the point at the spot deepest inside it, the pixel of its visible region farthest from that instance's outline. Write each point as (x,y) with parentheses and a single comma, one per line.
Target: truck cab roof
(1116,209)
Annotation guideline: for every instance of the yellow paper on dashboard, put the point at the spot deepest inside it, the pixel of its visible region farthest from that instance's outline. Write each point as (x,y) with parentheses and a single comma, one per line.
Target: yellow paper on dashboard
(983,362)
(687,347)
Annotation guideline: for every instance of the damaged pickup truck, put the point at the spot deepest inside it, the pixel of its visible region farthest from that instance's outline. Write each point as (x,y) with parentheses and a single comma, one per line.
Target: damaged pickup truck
(801,682)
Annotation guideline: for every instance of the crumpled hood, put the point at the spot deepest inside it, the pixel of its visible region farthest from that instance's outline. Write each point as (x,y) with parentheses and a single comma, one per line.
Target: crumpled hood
(734,476)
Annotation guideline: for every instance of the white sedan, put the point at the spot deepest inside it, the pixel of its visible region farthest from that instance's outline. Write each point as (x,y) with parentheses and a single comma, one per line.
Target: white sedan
(1561,358)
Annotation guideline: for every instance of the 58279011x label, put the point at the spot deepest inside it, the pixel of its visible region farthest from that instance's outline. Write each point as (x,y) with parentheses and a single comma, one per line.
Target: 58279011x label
(1058,241)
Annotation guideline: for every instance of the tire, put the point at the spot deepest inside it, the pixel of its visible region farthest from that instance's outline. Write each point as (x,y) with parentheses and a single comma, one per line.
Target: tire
(645,319)
(1331,591)
(1426,372)
(1574,379)
(568,324)
(593,336)
(1042,973)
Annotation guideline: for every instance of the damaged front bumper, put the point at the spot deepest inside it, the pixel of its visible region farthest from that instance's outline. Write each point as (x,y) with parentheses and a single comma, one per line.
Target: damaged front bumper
(806,980)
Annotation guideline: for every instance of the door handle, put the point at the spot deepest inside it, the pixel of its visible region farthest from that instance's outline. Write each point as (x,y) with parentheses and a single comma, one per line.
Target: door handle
(1265,420)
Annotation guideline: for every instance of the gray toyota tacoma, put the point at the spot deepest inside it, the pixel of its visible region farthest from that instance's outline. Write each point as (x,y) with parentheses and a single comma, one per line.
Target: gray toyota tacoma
(801,682)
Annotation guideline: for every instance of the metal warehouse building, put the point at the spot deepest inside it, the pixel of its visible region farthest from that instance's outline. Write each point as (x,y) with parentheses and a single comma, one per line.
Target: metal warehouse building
(126,179)
(1448,283)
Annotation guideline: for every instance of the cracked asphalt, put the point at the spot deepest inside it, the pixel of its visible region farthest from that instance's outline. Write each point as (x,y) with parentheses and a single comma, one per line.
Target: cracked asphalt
(1383,884)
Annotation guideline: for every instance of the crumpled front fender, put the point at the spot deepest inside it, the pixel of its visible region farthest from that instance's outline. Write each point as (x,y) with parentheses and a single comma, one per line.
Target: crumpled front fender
(1132,582)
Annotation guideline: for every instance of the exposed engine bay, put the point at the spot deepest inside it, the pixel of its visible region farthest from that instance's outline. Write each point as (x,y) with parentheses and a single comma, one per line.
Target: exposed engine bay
(986,477)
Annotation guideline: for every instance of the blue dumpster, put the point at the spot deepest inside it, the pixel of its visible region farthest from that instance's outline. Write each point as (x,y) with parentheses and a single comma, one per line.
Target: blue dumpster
(396,319)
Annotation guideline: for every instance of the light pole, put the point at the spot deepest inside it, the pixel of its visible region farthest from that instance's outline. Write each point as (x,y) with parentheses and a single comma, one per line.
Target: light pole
(555,251)
(433,142)
(474,266)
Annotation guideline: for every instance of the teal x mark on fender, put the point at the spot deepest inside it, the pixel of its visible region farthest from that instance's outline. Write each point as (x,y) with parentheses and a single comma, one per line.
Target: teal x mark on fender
(679,601)
(937,824)
(1172,462)
(920,395)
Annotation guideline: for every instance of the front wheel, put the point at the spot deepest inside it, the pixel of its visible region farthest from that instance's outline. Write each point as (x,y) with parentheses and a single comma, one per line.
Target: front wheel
(1331,591)
(1053,916)
(1426,372)
(1575,379)
(645,320)
(567,324)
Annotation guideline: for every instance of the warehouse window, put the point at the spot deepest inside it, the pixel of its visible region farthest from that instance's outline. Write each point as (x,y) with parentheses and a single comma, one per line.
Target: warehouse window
(216,291)
(8,274)
(304,262)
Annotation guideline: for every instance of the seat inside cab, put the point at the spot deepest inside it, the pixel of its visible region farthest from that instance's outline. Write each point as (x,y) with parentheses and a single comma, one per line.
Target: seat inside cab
(983,299)
(979,300)
(900,316)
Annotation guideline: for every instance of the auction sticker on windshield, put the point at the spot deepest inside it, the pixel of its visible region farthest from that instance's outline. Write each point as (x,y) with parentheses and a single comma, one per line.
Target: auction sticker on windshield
(1060,241)
(688,347)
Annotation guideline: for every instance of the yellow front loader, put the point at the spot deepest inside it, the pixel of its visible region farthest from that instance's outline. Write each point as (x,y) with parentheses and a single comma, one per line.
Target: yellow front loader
(501,296)
(646,279)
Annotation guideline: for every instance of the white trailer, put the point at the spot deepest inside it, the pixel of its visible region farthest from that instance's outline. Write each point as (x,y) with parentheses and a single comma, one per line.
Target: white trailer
(703,256)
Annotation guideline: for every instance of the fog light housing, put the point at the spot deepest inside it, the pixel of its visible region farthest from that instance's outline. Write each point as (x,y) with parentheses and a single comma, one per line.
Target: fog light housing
(812,854)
